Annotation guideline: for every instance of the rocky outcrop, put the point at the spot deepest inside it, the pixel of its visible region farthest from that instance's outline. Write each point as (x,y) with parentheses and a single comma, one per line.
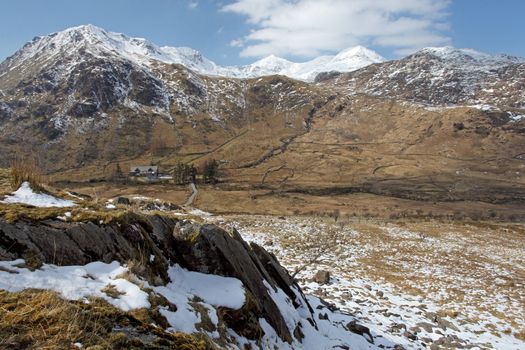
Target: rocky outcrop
(440,76)
(249,263)
(136,238)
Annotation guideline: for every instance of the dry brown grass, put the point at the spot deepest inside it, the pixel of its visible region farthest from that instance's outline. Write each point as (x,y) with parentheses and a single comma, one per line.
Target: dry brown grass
(5,181)
(15,212)
(40,319)
(89,212)
(27,170)
(239,198)
(34,319)
(111,291)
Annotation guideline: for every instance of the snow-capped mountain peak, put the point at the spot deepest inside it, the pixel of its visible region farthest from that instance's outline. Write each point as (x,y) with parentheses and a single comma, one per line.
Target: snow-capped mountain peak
(101,43)
(359,51)
(468,57)
(272,62)
(345,61)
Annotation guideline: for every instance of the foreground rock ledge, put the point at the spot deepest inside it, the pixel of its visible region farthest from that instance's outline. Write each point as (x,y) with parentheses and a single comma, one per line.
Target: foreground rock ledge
(137,238)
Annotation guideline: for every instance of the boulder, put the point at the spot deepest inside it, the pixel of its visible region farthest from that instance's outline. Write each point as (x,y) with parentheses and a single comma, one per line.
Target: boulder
(123,201)
(410,335)
(213,250)
(428,327)
(322,277)
(357,328)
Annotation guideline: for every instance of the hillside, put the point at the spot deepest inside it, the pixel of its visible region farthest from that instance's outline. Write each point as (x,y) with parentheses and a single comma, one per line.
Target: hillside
(442,124)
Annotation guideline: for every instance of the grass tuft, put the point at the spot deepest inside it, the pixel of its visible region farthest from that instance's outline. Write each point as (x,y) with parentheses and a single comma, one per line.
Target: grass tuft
(36,319)
(111,291)
(23,170)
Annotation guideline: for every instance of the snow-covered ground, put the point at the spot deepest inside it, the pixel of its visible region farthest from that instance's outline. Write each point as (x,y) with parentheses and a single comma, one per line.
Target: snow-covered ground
(196,296)
(415,284)
(26,195)
(448,285)
(74,282)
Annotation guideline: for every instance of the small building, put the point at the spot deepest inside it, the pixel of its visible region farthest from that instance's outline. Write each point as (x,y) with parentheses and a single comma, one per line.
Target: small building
(144,171)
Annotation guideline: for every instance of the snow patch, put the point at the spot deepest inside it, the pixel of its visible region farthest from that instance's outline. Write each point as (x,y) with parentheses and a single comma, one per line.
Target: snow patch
(516,117)
(200,213)
(212,289)
(75,282)
(26,195)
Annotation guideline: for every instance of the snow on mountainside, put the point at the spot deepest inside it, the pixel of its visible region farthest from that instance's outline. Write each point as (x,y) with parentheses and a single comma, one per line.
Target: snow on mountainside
(98,42)
(442,76)
(345,61)
(468,58)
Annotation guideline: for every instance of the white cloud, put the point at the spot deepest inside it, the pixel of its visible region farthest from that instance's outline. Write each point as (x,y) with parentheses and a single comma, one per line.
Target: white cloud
(311,27)
(193,4)
(237,43)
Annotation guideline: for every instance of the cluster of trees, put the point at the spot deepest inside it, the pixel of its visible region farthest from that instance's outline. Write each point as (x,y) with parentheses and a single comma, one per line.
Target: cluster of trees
(210,171)
(118,174)
(186,173)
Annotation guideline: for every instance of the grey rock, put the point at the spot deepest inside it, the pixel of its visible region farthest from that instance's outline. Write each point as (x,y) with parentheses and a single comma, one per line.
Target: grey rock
(428,327)
(322,277)
(415,329)
(123,201)
(426,340)
(444,324)
(410,335)
(357,328)
(397,327)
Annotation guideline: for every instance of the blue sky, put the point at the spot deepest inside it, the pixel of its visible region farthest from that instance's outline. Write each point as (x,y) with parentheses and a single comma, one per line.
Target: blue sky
(240,31)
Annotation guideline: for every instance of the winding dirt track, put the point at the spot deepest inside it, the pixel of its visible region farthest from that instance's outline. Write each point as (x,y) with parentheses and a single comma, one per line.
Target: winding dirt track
(192,196)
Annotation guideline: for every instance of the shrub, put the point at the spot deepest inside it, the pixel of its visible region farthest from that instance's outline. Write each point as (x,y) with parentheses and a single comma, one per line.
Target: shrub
(459,126)
(23,170)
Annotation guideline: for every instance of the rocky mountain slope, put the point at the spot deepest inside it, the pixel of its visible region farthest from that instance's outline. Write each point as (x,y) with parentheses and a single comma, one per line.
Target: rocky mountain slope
(85,99)
(442,76)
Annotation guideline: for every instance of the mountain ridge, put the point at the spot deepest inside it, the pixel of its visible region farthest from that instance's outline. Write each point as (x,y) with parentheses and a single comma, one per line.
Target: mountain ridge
(440,76)
(142,52)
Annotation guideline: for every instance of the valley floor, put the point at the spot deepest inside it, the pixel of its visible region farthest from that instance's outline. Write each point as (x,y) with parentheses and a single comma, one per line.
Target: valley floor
(414,283)
(240,198)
